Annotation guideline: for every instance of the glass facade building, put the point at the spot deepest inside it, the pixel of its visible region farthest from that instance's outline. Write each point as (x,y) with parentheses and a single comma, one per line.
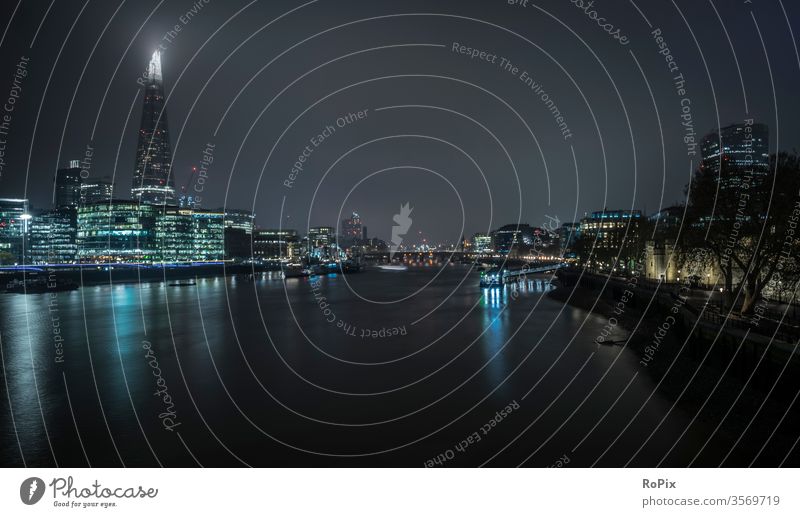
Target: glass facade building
(239,219)
(736,152)
(13,227)
(68,187)
(352,230)
(126,231)
(96,191)
(174,235)
(512,237)
(152,181)
(119,231)
(52,237)
(208,236)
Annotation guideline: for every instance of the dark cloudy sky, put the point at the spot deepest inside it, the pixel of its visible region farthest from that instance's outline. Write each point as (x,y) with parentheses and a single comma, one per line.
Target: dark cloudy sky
(446,144)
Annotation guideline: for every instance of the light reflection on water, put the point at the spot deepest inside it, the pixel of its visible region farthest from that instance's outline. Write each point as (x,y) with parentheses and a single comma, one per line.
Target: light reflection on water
(119,318)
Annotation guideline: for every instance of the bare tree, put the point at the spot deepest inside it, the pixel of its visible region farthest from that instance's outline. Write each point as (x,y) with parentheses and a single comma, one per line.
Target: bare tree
(748,223)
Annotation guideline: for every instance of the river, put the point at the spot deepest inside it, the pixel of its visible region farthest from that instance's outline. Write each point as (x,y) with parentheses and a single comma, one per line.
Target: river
(376,368)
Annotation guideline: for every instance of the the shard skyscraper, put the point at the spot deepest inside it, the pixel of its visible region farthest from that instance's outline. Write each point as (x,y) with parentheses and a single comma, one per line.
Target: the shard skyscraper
(152,181)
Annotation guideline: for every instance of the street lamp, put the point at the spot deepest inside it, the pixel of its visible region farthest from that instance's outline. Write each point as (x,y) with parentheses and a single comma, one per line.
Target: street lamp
(25,218)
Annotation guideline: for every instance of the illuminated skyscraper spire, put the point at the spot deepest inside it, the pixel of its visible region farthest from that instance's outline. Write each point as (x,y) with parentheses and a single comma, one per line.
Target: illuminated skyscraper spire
(152,181)
(154,68)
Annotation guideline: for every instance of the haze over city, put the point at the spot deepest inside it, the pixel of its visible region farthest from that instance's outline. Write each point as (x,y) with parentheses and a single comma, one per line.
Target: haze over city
(366,234)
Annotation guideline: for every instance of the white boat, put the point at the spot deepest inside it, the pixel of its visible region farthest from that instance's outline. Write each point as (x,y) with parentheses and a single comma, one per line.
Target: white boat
(392,267)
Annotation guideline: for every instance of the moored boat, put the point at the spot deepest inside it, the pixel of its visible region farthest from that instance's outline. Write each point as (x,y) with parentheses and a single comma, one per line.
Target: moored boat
(393,267)
(296,271)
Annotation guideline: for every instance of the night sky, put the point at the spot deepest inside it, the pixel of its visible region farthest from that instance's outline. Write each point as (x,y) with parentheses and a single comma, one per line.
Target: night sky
(465,141)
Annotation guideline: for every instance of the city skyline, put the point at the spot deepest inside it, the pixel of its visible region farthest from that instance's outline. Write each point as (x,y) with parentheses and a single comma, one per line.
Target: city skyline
(731,152)
(597,185)
(469,233)
(736,156)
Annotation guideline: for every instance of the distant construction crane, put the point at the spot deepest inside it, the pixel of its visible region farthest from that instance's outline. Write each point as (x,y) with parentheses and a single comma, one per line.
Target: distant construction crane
(186,200)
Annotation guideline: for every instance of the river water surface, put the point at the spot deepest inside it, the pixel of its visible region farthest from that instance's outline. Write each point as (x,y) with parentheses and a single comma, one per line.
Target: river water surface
(376,368)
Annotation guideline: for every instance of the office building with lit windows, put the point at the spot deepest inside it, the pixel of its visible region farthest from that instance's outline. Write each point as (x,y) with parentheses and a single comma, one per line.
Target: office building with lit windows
(513,239)
(239,228)
(174,235)
(321,236)
(481,243)
(14,220)
(239,219)
(352,229)
(96,190)
(275,245)
(118,231)
(52,237)
(208,236)
(738,153)
(612,233)
(568,233)
(129,232)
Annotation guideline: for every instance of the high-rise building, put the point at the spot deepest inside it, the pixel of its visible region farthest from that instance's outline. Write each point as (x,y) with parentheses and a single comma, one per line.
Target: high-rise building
(737,152)
(512,237)
(68,186)
(321,236)
(14,220)
(568,233)
(96,190)
(152,181)
(52,237)
(352,229)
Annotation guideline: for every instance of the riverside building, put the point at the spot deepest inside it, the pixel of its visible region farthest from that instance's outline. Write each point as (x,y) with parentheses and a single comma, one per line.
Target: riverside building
(124,231)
